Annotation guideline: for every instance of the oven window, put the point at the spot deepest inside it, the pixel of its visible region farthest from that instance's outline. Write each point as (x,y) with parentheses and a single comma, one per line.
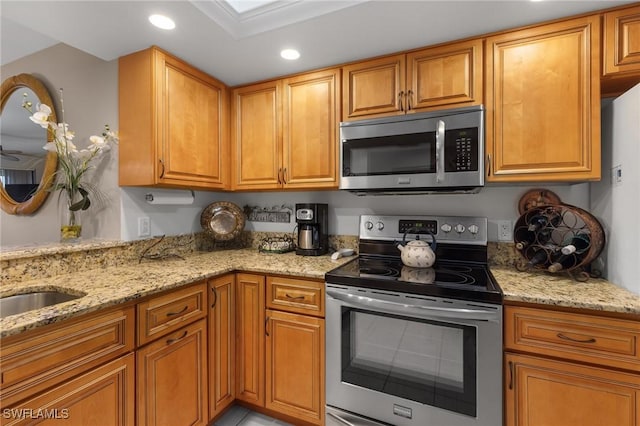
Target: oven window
(426,361)
(390,155)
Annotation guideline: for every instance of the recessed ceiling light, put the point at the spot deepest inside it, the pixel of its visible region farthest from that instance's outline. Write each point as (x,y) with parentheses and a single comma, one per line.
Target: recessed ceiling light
(290,54)
(162,21)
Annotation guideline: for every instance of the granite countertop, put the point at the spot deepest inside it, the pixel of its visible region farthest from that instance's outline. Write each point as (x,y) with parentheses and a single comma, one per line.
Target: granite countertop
(561,290)
(114,285)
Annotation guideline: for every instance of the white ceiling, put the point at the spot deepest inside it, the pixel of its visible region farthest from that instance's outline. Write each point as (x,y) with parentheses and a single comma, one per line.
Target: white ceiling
(240,48)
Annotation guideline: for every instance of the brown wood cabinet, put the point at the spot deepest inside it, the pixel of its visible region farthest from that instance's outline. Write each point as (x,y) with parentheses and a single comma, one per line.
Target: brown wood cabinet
(295,365)
(35,361)
(173,123)
(296,295)
(102,396)
(172,378)
(543,103)
(168,312)
(621,50)
(221,344)
(250,335)
(284,133)
(570,369)
(444,76)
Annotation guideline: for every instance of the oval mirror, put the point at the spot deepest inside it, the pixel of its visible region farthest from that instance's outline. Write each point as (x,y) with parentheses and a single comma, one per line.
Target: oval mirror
(26,169)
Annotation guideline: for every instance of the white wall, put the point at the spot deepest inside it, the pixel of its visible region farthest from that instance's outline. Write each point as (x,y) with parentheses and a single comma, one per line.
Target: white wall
(494,202)
(90,100)
(616,205)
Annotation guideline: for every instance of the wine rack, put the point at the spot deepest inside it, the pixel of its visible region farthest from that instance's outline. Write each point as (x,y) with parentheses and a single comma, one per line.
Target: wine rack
(558,238)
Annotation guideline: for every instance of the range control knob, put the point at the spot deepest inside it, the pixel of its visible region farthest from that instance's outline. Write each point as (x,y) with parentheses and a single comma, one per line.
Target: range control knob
(368,225)
(473,229)
(446,228)
(379,226)
(459,228)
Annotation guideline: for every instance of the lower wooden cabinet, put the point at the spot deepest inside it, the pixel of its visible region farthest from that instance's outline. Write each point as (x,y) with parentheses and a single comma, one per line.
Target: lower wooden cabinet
(103,396)
(295,365)
(542,392)
(250,334)
(172,378)
(221,344)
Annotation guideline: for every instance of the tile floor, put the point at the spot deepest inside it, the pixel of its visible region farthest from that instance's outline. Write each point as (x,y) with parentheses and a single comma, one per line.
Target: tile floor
(241,416)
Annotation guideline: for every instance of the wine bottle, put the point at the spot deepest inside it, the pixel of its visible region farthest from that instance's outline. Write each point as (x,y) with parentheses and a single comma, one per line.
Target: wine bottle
(543,220)
(540,256)
(578,244)
(562,261)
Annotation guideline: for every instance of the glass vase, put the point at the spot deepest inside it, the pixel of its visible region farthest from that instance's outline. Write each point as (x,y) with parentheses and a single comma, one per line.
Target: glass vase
(70,220)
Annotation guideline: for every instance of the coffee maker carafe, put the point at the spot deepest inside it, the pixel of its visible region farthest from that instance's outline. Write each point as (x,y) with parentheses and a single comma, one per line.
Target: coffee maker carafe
(312,221)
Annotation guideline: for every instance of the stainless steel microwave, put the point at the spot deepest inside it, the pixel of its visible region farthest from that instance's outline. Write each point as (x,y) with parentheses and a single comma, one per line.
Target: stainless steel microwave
(426,152)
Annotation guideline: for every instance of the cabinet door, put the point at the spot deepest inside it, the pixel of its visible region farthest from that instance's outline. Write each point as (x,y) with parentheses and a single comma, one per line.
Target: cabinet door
(541,392)
(295,365)
(622,42)
(543,106)
(256,136)
(103,396)
(310,118)
(172,378)
(250,334)
(192,126)
(445,76)
(221,344)
(373,88)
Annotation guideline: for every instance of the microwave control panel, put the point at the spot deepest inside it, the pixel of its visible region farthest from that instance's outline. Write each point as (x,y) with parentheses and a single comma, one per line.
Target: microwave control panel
(461,150)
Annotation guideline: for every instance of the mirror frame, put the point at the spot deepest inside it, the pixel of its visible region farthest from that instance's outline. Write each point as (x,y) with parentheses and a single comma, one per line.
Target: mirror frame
(8,204)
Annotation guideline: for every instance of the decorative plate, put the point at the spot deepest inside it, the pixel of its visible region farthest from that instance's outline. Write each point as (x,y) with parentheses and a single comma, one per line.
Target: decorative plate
(537,197)
(223,220)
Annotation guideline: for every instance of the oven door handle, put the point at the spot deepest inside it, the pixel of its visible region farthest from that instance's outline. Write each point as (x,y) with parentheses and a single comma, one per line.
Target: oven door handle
(426,312)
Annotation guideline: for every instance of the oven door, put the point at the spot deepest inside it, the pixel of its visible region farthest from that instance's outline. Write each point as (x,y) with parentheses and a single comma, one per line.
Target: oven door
(413,360)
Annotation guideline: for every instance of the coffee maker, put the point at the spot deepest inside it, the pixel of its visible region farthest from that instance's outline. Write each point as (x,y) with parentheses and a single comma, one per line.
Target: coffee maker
(313,221)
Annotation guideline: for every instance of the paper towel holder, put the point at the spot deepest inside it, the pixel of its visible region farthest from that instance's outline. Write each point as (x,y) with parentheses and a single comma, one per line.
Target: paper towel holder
(170,197)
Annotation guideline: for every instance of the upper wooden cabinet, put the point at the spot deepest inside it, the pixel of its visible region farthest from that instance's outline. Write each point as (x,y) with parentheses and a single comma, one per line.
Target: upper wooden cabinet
(439,77)
(173,123)
(543,103)
(284,133)
(621,50)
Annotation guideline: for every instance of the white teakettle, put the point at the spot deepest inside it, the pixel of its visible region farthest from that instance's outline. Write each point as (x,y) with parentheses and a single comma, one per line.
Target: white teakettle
(418,253)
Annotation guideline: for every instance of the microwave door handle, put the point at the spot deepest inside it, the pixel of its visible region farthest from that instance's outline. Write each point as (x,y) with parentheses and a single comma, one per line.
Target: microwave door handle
(440,152)
(426,312)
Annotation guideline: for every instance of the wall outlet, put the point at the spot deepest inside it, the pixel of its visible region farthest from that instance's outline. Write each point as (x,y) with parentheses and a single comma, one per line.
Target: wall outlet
(144,226)
(505,230)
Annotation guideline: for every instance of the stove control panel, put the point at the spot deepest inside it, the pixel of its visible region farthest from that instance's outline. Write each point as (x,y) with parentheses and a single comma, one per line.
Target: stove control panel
(447,229)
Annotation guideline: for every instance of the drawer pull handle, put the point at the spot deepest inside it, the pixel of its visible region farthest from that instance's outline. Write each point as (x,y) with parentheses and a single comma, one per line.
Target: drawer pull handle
(170,341)
(266,326)
(510,374)
(215,297)
(562,336)
(172,314)
(290,297)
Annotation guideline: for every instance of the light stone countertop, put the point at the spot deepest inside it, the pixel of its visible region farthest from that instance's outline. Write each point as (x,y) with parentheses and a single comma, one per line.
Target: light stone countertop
(561,290)
(115,285)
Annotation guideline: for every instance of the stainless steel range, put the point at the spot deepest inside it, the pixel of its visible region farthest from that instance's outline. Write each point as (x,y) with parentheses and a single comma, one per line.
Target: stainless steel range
(409,346)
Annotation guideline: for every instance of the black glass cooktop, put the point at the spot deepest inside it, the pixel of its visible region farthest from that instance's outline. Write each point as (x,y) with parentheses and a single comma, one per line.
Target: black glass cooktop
(457,280)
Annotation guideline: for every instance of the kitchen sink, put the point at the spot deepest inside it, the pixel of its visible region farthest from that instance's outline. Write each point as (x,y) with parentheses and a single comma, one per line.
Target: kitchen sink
(24,302)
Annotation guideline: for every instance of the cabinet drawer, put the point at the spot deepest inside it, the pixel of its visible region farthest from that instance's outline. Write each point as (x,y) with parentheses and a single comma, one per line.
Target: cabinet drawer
(36,361)
(163,314)
(580,337)
(296,295)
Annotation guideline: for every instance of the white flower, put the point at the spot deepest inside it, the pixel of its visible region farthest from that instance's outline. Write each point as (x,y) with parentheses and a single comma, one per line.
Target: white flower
(41,116)
(99,144)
